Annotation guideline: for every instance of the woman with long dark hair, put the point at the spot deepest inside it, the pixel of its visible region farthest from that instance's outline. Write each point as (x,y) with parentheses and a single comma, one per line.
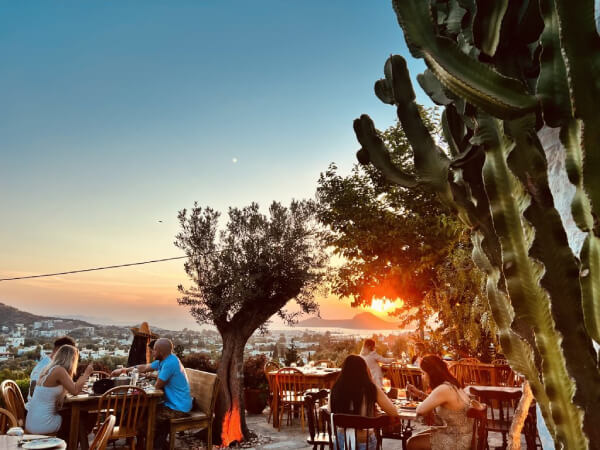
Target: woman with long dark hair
(450,403)
(354,392)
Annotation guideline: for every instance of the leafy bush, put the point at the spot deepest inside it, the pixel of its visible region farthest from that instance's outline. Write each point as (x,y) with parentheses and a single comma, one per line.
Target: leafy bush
(24,386)
(199,361)
(254,373)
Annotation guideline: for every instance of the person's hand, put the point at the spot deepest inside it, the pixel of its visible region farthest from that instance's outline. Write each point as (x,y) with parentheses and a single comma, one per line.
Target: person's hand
(88,370)
(412,391)
(116,372)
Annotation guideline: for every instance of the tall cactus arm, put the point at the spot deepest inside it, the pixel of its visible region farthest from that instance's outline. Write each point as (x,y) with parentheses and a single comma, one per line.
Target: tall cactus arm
(488,23)
(580,45)
(561,271)
(570,135)
(552,87)
(466,77)
(518,352)
(374,151)
(523,274)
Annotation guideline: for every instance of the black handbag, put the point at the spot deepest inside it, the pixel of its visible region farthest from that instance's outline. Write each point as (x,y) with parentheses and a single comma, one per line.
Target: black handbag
(103,385)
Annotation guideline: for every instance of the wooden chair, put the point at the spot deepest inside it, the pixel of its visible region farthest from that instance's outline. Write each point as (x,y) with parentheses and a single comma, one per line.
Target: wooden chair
(500,362)
(469,361)
(13,401)
(411,376)
(394,374)
(272,389)
(103,435)
(100,374)
(505,376)
(272,366)
(204,387)
(290,389)
(129,405)
(319,433)
(7,420)
(355,429)
(478,412)
(500,411)
(329,363)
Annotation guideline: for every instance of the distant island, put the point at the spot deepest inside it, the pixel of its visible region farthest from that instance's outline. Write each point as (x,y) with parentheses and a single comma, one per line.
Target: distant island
(362,321)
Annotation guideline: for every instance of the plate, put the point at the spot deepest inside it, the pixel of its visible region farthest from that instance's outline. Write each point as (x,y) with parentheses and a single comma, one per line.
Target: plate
(408,405)
(51,442)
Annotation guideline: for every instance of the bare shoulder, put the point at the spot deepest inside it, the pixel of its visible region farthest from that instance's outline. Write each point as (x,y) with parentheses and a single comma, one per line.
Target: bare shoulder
(443,390)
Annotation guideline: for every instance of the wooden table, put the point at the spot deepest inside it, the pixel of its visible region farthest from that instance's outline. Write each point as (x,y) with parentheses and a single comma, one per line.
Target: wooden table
(311,377)
(89,402)
(11,442)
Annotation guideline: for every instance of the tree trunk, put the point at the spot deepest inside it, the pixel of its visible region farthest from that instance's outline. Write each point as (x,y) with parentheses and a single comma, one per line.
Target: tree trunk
(230,419)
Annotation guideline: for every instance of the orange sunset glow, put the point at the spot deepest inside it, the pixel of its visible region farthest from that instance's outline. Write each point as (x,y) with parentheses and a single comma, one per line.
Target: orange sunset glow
(384,305)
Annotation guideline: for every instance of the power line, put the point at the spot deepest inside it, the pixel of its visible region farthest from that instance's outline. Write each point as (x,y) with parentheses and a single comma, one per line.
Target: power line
(95,268)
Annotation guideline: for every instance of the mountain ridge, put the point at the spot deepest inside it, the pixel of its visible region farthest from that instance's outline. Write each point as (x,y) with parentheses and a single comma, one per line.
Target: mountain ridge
(362,321)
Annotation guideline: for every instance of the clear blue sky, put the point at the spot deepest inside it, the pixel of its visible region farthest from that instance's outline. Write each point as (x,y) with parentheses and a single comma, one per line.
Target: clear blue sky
(118,114)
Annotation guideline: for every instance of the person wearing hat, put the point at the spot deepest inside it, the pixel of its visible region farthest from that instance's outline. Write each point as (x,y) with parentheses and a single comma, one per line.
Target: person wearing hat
(173,380)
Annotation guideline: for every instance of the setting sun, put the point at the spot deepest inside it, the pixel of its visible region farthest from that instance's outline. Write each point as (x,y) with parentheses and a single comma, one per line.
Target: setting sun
(384,305)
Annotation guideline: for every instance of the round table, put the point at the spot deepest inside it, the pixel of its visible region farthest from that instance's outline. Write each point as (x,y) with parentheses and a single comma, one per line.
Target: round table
(11,442)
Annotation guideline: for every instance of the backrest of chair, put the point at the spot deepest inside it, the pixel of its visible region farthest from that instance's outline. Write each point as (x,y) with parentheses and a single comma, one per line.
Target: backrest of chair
(505,376)
(13,400)
(7,420)
(128,403)
(100,374)
(411,376)
(478,411)
(204,387)
(290,384)
(395,376)
(312,401)
(500,362)
(351,424)
(101,439)
(327,362)
(272,366)
(469,361)
(502,404)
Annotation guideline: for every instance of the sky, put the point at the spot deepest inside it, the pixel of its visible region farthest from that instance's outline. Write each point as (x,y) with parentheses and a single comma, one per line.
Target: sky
(116,115)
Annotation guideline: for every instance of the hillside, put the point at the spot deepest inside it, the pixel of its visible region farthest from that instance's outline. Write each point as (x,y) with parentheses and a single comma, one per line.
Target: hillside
(363,321)
(10,316)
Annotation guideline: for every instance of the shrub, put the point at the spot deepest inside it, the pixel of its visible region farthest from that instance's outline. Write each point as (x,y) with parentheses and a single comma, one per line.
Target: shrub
(254,372)
(199,361)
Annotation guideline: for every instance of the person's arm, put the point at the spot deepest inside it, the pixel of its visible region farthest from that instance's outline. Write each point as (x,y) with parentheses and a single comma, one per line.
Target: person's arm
(74,388)
(125,370)
(385,403)
(383,360)
(413,391)
(438,396)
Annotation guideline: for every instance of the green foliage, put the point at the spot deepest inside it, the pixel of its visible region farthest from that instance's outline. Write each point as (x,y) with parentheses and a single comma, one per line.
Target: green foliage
(403,243)
(502,71)
(254,372)
(291,355)
(199,361)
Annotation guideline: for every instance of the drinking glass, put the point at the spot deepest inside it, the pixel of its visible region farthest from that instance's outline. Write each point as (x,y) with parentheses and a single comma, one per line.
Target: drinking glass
(293,365)
(387,385)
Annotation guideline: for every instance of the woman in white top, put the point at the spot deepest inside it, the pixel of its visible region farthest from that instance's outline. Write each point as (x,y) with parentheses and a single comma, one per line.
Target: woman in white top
(373,359)
(55,379)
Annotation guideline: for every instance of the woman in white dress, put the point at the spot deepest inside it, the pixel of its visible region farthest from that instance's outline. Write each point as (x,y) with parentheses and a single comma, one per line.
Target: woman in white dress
(54,381)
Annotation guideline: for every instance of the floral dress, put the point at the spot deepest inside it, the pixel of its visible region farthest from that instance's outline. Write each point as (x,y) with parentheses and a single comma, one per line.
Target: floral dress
(458,432)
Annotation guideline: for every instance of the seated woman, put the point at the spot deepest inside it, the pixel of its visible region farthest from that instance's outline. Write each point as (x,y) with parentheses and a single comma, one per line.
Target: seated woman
(354,392)
(55,379)
(450,403)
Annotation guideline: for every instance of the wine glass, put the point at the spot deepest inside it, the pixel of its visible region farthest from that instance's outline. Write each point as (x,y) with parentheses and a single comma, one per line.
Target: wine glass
(386,385)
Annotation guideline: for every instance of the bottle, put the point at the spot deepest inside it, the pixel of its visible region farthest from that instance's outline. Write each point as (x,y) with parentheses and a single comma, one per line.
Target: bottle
(134,376)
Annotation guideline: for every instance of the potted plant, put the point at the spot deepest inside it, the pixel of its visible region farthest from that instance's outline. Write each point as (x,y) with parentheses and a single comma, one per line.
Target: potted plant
(256,387)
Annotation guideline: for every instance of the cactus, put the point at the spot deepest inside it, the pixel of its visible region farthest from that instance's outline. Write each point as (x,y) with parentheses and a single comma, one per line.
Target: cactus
(502,71)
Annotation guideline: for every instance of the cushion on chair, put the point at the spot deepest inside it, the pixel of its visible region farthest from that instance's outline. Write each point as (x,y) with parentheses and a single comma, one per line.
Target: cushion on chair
(191,417)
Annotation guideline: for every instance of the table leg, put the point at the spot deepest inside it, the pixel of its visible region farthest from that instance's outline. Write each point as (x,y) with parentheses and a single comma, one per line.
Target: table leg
(275,408)
(406,434)
(74,429)
(151,422)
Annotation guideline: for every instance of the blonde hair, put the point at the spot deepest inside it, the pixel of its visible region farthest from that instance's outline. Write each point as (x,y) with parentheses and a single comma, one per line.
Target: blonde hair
(66,357)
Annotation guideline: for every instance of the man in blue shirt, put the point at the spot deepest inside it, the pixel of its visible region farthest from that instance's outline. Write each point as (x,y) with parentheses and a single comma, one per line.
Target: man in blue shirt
(172,379)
